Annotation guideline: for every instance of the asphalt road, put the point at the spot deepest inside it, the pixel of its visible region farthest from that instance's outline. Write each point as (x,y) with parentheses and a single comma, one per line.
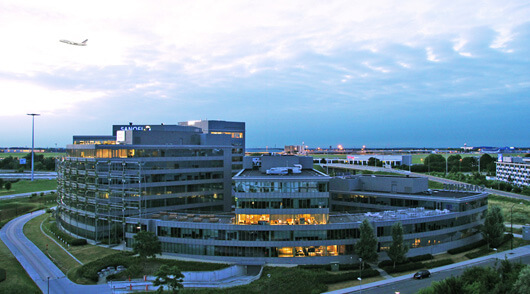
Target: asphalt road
(21,195)
(27,175)
(39,267)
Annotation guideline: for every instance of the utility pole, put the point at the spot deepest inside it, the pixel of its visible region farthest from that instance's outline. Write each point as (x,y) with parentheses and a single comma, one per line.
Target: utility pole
(32,142)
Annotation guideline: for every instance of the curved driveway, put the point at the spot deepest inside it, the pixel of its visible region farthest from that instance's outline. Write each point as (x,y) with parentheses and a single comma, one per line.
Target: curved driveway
(39,267)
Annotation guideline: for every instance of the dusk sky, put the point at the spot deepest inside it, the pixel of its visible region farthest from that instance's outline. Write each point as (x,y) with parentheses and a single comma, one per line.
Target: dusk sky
(375,73)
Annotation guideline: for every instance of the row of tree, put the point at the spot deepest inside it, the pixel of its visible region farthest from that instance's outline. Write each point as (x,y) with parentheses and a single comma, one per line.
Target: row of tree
(454,163)
(41,163)
(366,248)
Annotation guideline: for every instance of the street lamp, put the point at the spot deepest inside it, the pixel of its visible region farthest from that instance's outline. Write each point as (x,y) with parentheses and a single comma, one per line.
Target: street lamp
(32,141)
(511,222)
(360,285)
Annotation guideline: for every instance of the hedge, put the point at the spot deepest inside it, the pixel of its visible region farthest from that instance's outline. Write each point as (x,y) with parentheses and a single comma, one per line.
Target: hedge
(404,267)
(327,267)
(438,263)
(421,257)
(65,237)
(477,253)
(2,275)
(337,278)
(467,247)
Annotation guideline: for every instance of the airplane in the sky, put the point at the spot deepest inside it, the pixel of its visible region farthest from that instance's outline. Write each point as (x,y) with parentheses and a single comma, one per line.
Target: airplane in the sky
(74,43)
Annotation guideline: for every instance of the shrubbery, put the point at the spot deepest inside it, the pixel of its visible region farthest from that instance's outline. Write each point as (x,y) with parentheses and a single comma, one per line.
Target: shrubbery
(404,267)
(467,247)
(438,263)
(337,278)
(65,237)
(421,257)
(2,275)
(327,267)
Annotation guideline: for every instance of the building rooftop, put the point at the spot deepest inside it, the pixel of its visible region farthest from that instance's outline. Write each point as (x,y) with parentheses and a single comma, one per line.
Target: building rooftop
(334,218)
(255,174)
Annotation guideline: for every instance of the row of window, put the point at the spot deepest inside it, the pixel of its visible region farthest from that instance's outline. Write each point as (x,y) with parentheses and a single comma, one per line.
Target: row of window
(284,187)
(147,152)
(285,203)
(398,202)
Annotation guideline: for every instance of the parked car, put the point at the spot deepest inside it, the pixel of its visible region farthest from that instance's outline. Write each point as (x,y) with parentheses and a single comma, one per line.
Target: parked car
(422,274)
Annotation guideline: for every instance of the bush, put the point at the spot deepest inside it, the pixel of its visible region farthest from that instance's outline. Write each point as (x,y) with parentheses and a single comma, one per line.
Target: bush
(467,247)
(2,275)
(327,267)
(438,263)
(67,238)
(78,242)
(404,267)
(421,257)
(476,254)
(337,278)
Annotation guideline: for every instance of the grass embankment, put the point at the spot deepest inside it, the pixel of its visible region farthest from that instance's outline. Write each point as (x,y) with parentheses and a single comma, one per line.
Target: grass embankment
(11,208)
(17,280)
(521,212)
(27,186)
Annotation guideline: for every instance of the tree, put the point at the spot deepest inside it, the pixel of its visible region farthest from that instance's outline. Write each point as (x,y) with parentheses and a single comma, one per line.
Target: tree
(453,162)
(366,247)
(8,186)
(522,285)
(372,161)
(398,250)
(435,162)
(146,244)
(170,276)
(485,161)
(493,228)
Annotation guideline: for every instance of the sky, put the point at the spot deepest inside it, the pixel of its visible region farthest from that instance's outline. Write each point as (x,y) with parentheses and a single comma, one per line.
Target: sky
(374,73)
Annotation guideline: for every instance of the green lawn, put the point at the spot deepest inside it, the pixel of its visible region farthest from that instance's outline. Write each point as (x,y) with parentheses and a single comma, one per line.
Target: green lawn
(25,186)
(17,280)
(521,212)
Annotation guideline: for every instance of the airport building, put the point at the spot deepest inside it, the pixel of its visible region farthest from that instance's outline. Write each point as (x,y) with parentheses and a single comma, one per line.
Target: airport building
(387,160)
(513,170)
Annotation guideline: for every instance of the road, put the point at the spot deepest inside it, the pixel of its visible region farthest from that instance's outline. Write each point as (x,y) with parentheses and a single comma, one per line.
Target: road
(21,195)
(407,285)
(432,178)
(27,175)
(39,267)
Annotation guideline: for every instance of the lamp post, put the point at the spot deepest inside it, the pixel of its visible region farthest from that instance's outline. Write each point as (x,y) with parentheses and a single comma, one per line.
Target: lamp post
(360,285)
(511,223)
(48,285)
(32,141)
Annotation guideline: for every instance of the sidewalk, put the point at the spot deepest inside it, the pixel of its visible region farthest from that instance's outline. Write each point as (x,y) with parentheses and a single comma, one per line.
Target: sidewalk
(510,254)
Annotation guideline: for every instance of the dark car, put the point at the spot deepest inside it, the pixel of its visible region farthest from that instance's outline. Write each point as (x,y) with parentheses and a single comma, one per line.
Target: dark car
(422,274)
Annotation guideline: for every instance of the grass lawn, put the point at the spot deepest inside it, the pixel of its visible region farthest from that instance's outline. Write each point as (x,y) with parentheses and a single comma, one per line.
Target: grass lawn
(22,154)
(63,261)
(339,156)
(26,186)
(521,212)
(17,280)
(353,283)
